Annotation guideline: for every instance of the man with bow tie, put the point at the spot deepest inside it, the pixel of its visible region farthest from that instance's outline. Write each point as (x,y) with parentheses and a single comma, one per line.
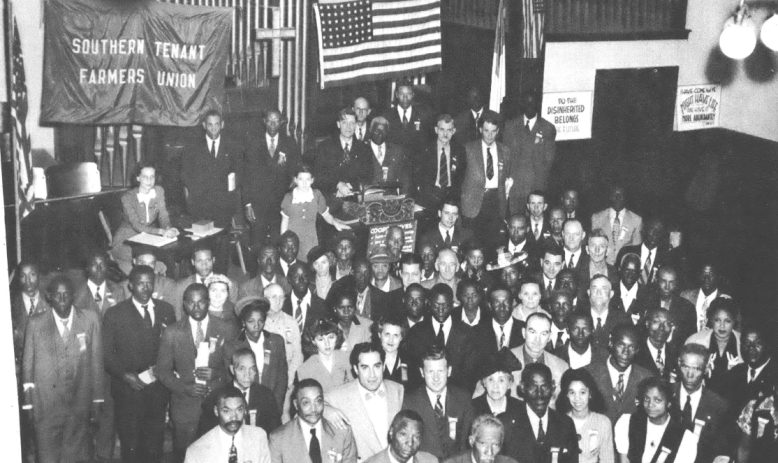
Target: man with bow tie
(369,403)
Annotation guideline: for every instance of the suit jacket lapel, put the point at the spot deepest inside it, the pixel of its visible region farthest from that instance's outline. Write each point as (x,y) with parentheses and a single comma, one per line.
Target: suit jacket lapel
(299,438)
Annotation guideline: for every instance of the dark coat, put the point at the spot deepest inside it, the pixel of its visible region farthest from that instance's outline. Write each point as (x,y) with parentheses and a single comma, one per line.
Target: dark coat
(716,435)
(510,419)
(315,311)
(275,374)
(330,168)
(261,401)
(560,434)
(615,408)
(461,348)
(397,165)
(436,438)
(425,174)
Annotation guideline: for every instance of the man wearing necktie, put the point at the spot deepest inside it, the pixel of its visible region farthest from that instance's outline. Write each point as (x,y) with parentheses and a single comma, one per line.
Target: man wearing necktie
(370,402)
(622,225)
(486,181)
(204,261)
(98,293)
(698,404)
(446,409)
(657,355)
(232,441)
(362,109)
(389,163)
(63,375)
(410,122)
(532,142)
(438,173)
(310,437)
(468,120)
(131,338)
(266,173)
(190,363)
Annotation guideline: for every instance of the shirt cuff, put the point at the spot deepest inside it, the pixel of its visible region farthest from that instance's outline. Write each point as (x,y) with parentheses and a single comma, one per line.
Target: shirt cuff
(26,386)
(98,401)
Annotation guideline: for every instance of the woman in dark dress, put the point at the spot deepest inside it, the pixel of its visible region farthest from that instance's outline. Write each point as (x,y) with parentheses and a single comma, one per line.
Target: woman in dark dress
(390,331)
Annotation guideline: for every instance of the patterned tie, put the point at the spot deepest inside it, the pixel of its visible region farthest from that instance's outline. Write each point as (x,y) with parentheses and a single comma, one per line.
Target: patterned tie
(405,117)
(439,408)
(233,452)
(346,153)
(703,319)
(272,147)
(620,387)
(549,288)
(380,154)
(502,336)
(599,323)
(570,263)
(443,177)
(616,228)
(537,231)
(441,340)
(751,375)
(541,433)
(360,133)
(489,164)
(659,362)
(200,335)
(314,450)
(32,305)
(448,239)
(298,315)
(644,277)
(146,317)
(361,302)
(213,148)
(98,298)
(65,331)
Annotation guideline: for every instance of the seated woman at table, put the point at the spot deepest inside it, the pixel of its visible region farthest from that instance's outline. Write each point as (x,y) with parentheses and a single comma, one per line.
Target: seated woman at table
(144,210)
(218,295)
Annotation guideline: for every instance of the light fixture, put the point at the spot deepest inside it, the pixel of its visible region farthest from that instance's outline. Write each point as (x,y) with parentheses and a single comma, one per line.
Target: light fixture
(738,38)
(769,33)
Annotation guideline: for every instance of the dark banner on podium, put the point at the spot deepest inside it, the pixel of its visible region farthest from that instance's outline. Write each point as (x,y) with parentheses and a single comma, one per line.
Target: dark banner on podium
(141,62)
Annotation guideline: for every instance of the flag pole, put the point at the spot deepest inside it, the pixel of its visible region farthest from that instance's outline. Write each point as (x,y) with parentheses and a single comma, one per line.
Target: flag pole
(9,40)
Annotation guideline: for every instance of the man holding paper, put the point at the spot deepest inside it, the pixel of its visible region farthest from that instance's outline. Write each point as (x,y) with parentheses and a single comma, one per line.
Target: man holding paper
(131,333)
(189,363)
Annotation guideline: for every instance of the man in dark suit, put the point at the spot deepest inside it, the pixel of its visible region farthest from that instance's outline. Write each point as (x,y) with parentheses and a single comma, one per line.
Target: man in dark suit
(532,139)
(164,288)
(541,428)
(362,109)
(486,441)
(579,351)
(467,122)
(189,363)
(272,371)
(262,410)
(209,173)
(267,273)
(439,170)
(414,304)
(372,303)
(618,377)
(518,243)
(204,261)
(604,308)
(486,180)
(501,329)
(341,165)
(98,293)
(556,225)
(443,330)
(446,409)
(388,163)
(405,435)
(288,247)
(656,355)
(709,281)
(539,225)
(573,236)
(702,407)
(629,290)
(63,375)
(666,295)
(448,234)
(131,338)
(758,375)
(410,123)
(302,303)
(25,302)
(567,280)
(265,177)
(654,252)
(560,306)
(289,444)
(570,204)
(410,272)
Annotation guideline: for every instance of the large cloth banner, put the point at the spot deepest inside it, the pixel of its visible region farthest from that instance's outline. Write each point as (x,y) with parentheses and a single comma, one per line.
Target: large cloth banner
(142,61)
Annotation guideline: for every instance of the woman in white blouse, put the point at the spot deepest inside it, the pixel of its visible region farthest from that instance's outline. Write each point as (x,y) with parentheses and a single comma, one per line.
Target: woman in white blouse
(654,429)
(581,400)
(144,211)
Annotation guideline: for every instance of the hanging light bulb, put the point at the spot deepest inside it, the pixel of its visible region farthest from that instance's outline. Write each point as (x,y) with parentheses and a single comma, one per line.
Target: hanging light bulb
(738,39)
(769,33)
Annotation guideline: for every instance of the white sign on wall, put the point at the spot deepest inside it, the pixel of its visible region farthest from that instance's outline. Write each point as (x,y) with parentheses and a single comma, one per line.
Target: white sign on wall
(571,114)
(698,107)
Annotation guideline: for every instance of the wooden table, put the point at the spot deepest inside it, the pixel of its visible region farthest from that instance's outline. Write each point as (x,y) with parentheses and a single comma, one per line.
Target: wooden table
(175,254)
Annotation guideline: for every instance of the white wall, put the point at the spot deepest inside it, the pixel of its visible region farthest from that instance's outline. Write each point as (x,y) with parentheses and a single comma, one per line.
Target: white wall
(572,67)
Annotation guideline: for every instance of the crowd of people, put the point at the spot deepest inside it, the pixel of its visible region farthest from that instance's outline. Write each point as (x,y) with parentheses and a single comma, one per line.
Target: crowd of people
(524,328)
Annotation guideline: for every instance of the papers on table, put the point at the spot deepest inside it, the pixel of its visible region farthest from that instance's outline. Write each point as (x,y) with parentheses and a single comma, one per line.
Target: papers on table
(197,236)
(151,240)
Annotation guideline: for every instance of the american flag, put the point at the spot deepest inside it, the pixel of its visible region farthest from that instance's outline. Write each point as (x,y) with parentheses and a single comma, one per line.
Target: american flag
(21,136)
(362,40)
(534,18)
(498,61)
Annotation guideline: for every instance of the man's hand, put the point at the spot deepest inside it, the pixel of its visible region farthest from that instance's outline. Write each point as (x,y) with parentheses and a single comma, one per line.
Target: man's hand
(204,373)
(96,411)
(336,417)
(196,390)
(250,214)
(134,381)
(344,189)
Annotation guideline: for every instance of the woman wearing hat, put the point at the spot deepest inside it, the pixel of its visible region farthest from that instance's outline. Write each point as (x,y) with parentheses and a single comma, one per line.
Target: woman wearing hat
(582,402)
(218,293)
(497,378)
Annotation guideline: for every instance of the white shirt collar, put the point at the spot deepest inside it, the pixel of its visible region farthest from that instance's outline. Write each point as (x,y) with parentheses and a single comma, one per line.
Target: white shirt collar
(555,330)
(226,442)
(577,255)
(384,287)
(265,282)
(204,324)
(93,287)
(516,248)
(149,306)
(446,327)
(407,112)
(306,429)
(535,419)
(28,302)
(443,231)
(602,316)
(364,392)
(476,320)
(532,121)
(757,370)
(210,141)
(653,351)
(433,396)
(59,321)
(268,138)
(579,360)
(305,302)
(614,374)
(631,293)
(495,408)
(695,399)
